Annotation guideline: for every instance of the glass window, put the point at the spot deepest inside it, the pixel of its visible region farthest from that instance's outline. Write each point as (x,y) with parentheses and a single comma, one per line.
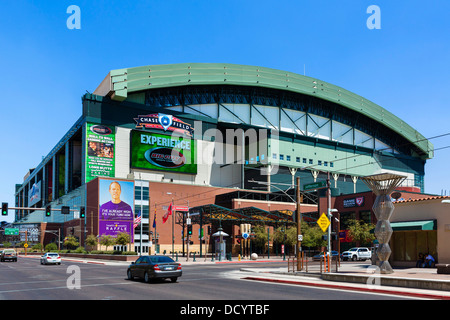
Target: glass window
(410,241)
(138,191)
(297,159)
(281,156)
(365,216)
(288,158)
(399,246)
(345,219)
(144,209)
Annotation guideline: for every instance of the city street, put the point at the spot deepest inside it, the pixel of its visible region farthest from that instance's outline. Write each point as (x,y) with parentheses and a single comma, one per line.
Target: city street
(29,280)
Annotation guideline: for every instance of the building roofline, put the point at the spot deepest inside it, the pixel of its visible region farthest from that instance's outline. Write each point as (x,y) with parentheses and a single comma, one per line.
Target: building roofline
(119,83)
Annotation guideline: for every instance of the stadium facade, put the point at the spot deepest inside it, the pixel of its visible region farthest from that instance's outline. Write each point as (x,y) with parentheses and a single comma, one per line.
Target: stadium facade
(199,134)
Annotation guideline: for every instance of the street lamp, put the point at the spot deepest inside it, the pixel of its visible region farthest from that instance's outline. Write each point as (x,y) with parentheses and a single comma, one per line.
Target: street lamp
(330,216)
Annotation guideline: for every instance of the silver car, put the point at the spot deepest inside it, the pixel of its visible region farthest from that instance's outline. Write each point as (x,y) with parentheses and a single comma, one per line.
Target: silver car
(153,267)
(50,257)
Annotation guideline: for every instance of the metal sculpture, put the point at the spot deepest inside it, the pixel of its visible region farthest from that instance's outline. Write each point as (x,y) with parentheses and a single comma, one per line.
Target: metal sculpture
(383,185)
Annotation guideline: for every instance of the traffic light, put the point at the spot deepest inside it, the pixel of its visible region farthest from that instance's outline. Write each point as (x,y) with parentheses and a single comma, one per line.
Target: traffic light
(82,212)
(4,208)
(48,210)
(65,210)
(189,229)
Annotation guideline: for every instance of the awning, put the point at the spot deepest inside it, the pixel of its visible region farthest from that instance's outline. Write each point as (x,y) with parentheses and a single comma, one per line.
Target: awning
(422,225)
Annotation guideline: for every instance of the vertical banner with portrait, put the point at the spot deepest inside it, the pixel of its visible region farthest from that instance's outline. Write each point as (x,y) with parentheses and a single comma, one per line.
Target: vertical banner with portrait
(116,203)
(100,141)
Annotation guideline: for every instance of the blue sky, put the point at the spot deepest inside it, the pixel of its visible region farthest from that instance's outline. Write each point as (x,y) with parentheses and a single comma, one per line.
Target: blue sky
(46,68)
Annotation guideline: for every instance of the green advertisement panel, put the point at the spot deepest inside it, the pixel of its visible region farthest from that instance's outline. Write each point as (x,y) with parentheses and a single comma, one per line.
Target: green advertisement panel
(100,151)
(154,151)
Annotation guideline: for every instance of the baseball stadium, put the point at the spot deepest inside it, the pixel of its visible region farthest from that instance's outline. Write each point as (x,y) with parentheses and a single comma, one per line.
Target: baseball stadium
(211,146)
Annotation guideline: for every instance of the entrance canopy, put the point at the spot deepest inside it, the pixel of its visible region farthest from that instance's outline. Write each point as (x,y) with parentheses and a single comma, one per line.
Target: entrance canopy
(207,213)
(422,225)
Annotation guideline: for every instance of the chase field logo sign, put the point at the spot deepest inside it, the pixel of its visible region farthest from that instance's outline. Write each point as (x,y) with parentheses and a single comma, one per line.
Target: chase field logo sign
(166,122)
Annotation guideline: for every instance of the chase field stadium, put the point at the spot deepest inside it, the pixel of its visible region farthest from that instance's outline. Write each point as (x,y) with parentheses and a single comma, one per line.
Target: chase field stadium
(224,141)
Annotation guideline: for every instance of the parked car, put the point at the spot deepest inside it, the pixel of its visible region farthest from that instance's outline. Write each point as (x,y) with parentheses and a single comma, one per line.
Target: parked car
(51,257)
(8,254)
(152,267)
(319,256)
(354,254)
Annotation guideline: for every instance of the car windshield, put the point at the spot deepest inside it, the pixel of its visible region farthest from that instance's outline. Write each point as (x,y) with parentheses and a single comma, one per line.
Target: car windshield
(52,254)
(353,249)
(160,259)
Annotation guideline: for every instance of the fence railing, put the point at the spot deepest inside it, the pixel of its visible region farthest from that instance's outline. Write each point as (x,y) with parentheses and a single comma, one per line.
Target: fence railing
(322,264)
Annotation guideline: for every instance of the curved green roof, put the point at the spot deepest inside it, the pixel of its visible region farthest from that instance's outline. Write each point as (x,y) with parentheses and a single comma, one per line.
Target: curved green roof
(123,81)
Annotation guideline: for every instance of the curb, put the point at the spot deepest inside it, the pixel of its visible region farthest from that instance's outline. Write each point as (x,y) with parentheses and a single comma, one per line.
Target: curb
(350,288)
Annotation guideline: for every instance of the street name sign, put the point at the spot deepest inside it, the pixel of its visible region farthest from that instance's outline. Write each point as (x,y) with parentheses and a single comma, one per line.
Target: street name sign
(315,185)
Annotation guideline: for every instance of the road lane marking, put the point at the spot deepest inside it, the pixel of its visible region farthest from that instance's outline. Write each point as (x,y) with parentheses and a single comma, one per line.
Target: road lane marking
(65,287)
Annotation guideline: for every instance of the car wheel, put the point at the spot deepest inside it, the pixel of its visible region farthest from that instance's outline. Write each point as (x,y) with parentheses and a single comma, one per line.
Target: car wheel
(354,258)
(146,277)
(129,275)
(174,279)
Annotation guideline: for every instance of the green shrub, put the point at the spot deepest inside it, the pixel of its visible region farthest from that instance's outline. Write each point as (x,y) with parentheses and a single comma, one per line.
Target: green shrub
(51,247)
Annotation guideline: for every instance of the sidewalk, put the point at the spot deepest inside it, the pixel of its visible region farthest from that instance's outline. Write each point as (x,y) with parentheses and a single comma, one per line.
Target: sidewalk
(412,282)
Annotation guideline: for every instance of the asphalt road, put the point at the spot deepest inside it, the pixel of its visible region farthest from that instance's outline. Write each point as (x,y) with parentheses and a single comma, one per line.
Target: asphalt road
(28,280)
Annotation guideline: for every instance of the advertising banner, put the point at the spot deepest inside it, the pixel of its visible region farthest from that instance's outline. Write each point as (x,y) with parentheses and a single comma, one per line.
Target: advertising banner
(100,143)
(155,151)
(116,203)
(35,195)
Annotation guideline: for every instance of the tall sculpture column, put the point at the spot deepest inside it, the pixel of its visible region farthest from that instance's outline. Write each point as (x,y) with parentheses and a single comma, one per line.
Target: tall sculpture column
(383,185)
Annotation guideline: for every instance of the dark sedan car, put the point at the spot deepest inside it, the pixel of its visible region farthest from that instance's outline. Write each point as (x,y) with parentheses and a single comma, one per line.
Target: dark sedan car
(152,267)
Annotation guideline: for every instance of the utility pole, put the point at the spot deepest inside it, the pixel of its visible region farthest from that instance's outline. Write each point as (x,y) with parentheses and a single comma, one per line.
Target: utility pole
(299,219)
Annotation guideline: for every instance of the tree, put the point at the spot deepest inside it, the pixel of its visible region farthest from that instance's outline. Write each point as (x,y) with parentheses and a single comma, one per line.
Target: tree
(361,231)
(107,241)
(51,247)
(91,240)
(71,242)
(260,239)
(123,238)
(312,236)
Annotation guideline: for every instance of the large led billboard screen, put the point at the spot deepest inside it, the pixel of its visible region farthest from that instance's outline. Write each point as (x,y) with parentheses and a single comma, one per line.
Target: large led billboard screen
(155,151)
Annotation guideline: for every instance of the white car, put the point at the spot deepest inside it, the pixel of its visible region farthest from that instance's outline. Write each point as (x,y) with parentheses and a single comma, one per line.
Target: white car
(50,257)
(357,254)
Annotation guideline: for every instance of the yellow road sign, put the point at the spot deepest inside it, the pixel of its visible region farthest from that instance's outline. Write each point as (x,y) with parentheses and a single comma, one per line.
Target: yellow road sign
(323,222)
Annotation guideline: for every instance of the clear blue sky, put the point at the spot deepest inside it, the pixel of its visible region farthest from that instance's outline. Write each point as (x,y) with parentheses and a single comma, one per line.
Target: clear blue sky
(46,68)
